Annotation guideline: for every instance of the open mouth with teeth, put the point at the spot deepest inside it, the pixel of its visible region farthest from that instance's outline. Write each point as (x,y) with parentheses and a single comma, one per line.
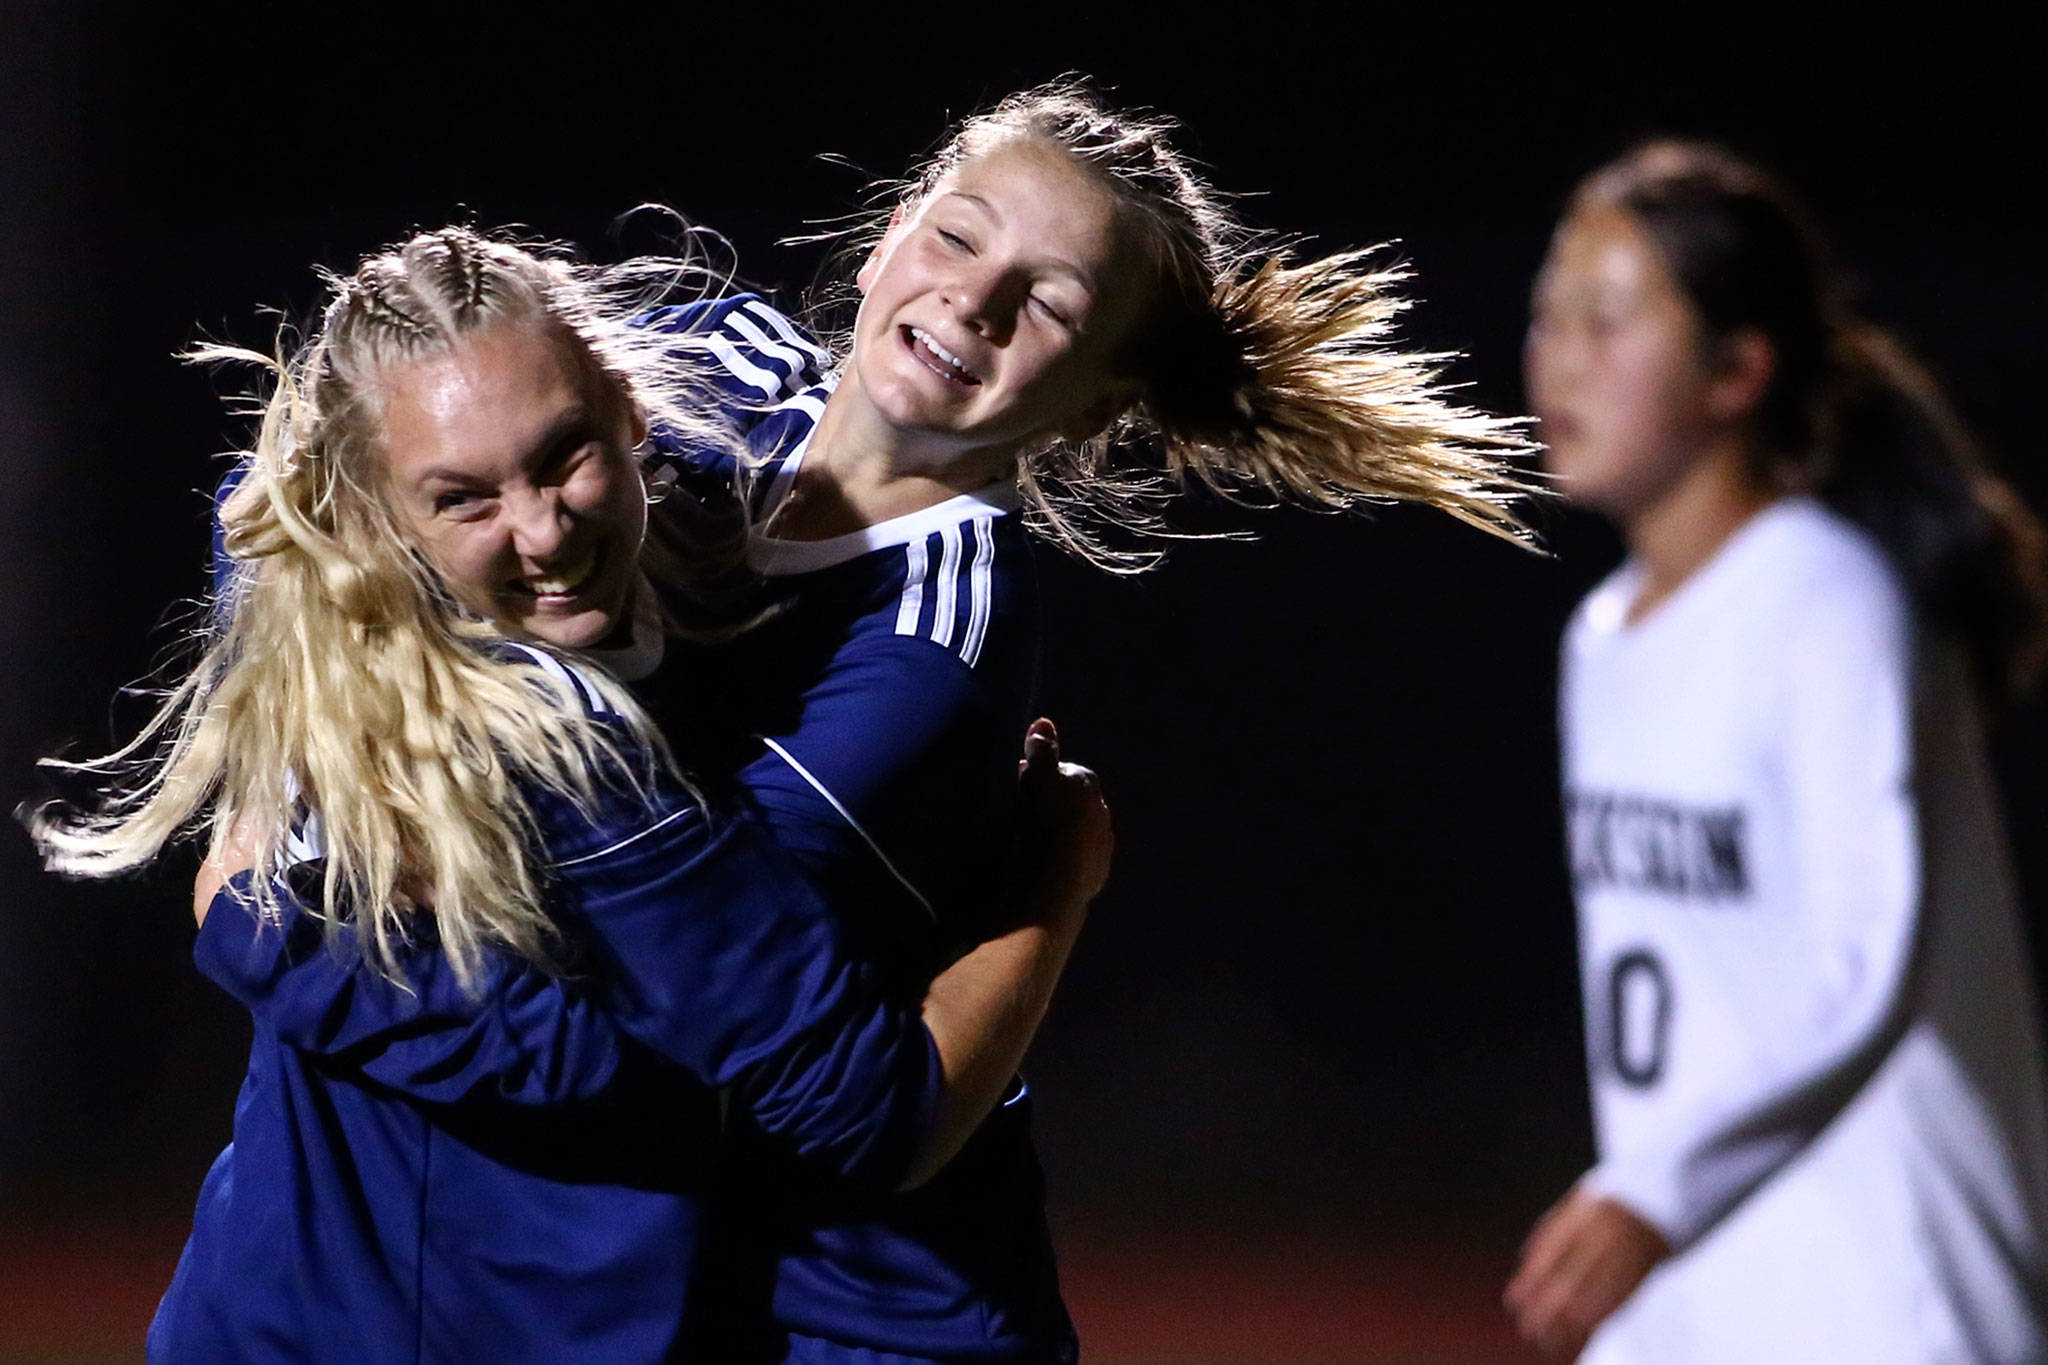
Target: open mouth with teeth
(938,359)
(564,581)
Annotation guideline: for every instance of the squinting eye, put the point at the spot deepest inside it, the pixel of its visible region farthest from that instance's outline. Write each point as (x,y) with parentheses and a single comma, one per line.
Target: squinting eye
(458,504)
(952,239)
(1048,310)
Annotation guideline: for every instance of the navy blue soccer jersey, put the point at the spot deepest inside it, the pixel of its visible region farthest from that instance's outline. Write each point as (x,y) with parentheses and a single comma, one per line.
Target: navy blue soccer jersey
(871,724)
(417,1176)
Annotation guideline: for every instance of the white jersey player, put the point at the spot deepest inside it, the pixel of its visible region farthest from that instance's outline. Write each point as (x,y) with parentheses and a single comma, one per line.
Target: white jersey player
(1817,1075)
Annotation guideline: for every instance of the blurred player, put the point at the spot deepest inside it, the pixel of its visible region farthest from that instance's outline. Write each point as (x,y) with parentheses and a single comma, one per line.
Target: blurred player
(1816,1074)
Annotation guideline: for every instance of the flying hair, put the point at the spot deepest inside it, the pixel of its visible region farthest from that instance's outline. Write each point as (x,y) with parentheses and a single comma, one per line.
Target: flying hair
(340,680)
(1258,375)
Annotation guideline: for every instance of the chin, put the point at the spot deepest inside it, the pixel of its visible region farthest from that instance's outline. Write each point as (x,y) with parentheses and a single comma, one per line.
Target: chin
(1586,480)
(583,630)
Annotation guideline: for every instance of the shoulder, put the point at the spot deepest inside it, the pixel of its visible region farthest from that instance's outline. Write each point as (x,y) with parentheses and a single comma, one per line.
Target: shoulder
(964,588)
(572,683)
(1814,571)
(960,584)
(755,353)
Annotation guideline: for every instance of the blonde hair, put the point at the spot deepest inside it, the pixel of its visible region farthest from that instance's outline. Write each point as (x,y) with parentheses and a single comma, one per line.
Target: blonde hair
(341,678)
(1255,374)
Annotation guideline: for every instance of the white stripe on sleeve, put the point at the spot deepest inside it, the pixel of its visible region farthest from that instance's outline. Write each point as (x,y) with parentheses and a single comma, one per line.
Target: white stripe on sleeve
(783,328)
(913,588)
(981,585)
(583,689)
(743,369)
(752,334)
(947,588)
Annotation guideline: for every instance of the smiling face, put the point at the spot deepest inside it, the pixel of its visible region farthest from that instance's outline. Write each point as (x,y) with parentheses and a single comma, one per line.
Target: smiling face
(510,458)
(993,307)
(1616,368)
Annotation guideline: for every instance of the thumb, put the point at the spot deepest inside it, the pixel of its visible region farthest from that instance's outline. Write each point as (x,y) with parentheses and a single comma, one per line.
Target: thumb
(1042,744)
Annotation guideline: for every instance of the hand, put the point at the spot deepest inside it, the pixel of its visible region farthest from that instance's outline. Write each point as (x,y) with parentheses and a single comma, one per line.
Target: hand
(1582,1261)
(1065,840)
(234,854)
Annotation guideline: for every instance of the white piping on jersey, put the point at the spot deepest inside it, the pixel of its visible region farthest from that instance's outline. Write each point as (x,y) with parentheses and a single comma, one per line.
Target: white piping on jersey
(820,359)
(855,825)
(944,601)
(785,473)
(585,691)
(306,842)
(743,369)
(750,332)
(981,579)
(635,837)
(767,555)
(776,558)
(913,589)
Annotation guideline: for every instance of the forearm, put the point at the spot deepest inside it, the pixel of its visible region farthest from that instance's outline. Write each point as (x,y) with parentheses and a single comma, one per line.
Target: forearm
(983,1013)
(524,1037)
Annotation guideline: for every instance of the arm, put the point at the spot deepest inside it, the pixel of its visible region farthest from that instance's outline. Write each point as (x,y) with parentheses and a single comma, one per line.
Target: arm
(719,957)
(892,776)
(751,358)
(526,1038)
(771,1007)
(985,1009)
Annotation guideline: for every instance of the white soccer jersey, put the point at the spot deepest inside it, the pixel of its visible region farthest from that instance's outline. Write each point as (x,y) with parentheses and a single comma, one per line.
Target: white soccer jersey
(1809,1024)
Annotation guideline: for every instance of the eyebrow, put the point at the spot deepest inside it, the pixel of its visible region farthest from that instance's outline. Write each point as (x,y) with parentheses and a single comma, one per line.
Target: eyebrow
(1061,264)
(572,425)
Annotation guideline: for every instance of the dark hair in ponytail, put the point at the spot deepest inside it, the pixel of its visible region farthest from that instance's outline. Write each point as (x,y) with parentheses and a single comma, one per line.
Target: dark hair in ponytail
(1254,374)
(1848,414)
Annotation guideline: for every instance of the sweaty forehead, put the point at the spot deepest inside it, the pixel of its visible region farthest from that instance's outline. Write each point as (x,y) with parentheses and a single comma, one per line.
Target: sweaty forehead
(480,404)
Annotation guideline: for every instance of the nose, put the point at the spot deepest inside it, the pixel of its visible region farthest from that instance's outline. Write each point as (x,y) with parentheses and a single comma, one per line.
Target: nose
(985,298)
(539,522)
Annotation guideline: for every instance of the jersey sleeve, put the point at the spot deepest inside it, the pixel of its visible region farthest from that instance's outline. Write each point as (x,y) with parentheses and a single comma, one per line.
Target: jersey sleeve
(701,943)
(526,1038)
(752,357)
(722,958)
(899,760)
(1846,734)
(760,356)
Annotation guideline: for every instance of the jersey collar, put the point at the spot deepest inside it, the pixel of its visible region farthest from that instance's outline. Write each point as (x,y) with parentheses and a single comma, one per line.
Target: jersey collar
(777,558)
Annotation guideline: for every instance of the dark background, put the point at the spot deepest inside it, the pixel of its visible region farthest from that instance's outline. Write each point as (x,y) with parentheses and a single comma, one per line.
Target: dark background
(1327,1013)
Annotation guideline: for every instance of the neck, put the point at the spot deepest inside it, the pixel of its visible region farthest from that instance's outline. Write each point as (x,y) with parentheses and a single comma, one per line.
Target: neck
(859,470)
(1682,529)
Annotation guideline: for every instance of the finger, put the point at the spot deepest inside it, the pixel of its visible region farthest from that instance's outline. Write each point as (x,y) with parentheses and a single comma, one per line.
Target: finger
(1042,742)
(1609,1280)
(1550,1238)
(1566,1306)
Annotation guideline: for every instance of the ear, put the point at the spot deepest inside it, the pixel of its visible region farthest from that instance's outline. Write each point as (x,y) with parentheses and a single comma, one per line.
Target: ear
(1742,373)
(866,275)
